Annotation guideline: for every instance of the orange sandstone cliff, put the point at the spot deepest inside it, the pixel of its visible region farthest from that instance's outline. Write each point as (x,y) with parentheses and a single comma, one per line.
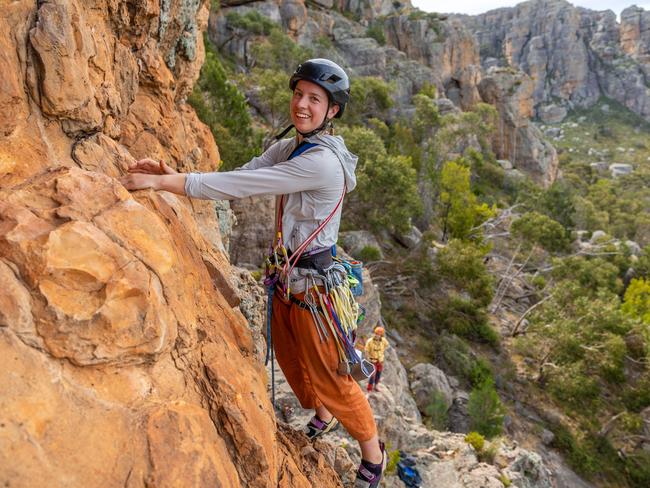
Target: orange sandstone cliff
(124,360)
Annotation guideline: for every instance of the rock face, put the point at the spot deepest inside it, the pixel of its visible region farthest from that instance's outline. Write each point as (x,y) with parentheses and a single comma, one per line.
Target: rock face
(517,139)
(252,235)
(573,55)
(124,357)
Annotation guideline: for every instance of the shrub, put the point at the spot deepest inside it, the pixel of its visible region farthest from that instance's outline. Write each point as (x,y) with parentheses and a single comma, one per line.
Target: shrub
(480,373)
(252,22)
(476,440)
(279,52)
(579,458)
(370,98)
(637,465)
(637,300)
(590,274)
(436,410)
(485,410)
(393,459)
(462,264)
(376,32)
(467,319)
(454,353)
(369,253)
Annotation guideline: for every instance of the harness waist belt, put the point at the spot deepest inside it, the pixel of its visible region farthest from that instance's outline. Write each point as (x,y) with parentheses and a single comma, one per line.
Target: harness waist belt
(303,305)
(318,261)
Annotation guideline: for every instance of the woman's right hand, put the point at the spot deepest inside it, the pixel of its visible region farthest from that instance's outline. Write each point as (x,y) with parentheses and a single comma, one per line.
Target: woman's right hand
(151,167)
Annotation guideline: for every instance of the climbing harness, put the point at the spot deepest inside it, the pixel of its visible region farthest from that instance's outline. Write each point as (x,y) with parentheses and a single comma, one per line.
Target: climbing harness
(328,292)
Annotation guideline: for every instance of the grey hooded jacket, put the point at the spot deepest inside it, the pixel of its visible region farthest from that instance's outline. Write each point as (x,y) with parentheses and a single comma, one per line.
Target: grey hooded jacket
(313,183)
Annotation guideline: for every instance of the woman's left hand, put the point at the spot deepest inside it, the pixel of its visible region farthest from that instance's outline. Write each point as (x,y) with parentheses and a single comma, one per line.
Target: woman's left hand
(140,181)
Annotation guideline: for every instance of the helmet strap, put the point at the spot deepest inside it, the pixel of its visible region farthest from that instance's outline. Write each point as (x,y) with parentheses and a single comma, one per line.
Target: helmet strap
(321,128)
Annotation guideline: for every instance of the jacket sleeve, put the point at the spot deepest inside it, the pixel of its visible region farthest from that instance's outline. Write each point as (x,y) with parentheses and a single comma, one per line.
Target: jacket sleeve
(314,169)
(267,158)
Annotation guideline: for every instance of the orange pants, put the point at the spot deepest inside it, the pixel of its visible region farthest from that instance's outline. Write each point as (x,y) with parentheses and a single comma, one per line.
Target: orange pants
(310,368)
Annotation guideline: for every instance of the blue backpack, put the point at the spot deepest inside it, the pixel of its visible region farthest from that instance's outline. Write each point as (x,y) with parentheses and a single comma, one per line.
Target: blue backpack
(408,473)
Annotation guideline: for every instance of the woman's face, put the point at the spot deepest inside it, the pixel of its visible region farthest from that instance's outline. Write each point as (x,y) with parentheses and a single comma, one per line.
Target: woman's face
(309,105)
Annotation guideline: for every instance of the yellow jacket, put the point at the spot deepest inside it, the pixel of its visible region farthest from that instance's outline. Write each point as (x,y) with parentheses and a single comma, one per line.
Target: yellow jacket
(375,349)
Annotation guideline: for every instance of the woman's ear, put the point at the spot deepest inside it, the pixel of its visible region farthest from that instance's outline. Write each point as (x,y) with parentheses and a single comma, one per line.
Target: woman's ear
(333,110)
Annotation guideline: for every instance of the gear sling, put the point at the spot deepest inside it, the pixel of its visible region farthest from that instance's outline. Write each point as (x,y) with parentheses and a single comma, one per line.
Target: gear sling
(332,306)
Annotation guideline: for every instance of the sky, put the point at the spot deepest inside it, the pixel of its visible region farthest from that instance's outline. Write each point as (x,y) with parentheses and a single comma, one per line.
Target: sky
(473,7)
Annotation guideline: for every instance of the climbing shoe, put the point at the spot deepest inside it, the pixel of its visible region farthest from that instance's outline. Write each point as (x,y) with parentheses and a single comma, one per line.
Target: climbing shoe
(316,427)
(369,475)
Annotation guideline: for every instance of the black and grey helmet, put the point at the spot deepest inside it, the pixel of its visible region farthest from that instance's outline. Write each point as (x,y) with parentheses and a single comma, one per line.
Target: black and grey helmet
(329,76)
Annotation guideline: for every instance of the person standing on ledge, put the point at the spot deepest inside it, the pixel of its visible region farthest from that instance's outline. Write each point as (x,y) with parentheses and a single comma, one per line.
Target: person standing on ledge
(310,174)
(375,348)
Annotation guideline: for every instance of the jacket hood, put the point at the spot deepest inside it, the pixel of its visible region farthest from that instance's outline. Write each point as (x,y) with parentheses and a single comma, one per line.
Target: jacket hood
(348,160)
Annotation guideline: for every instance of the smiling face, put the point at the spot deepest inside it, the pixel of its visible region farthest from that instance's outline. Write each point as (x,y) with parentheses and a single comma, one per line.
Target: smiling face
(309,106)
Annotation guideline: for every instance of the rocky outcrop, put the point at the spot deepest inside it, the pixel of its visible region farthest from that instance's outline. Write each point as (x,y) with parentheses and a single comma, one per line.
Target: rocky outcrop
(444,46)
(573,55)
(517,139)
(124,355)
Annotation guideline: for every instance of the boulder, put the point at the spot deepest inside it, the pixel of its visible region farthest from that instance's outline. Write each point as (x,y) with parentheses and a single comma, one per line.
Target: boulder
(620,169)
(551,114)
(410,239)
(355,241)
(634,248)
(426,380)
(597,236)
(600,167)
(505,164)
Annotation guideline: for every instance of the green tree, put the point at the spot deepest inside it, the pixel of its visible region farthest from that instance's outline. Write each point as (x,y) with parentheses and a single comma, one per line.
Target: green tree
(370,97)
(460,212)
(272,98)
(636,302)
(538,229)
(388,191)
(278,52)
(212,97)
(386,194)
(558,203)
(578,339)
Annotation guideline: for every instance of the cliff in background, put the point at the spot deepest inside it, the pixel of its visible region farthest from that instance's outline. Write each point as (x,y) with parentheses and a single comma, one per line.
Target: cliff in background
(420,49)
(125,360)
(573,55)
